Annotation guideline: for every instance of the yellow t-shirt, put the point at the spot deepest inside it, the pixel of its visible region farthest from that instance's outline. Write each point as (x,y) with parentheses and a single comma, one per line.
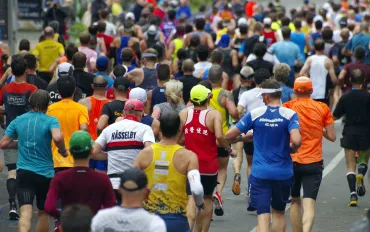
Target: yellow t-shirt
(220,33)
(47,51)
(116,9)
(70,115)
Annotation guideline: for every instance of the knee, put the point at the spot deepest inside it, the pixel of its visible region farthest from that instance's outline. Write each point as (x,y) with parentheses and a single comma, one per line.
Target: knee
(296,201)
(12,174)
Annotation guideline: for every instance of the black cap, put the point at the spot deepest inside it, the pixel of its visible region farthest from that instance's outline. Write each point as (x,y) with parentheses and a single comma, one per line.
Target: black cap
(133,179)
(121,83)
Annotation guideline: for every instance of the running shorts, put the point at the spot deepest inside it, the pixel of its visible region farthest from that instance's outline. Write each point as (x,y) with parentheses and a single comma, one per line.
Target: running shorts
(209,184)
(175,222)
(309,177)
(249,148)
(10,158)
(266,194)
(29,185)
(222,152)
(355,142)
(60,169)
(101,165)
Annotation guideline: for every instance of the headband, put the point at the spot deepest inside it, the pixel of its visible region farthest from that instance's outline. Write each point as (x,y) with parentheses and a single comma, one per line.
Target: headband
(145,55)
(263,91)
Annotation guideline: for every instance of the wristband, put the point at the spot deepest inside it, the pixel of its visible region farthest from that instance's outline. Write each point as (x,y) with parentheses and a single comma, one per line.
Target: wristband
(241,137)
(63,151)
(230,150)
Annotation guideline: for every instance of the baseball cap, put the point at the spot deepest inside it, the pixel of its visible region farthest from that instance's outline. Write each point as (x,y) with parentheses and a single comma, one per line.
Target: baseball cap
(199,93)
(138,93)
(133,179)
(247,73)
(242,21)
(130,15)
(318,18)
(267,21)
(102,62)
(152,30)
(121,83)
(302,84)
(80,141)
(64,69)
(134,104)
(343,22)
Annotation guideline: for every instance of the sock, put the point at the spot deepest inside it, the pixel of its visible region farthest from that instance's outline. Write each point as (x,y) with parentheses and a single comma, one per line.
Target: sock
(362,169)
(351,178)
(11,185)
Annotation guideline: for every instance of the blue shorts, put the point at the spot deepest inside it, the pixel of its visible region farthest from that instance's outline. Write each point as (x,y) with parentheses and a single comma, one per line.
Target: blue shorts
(175,222)
(266,194)
(101,165)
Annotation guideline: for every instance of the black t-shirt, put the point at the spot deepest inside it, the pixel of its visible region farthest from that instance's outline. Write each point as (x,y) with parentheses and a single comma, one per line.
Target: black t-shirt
(37,81)
(55,97)
(188,81)
(260,63)
(113,110)
(355,105)
(84,81)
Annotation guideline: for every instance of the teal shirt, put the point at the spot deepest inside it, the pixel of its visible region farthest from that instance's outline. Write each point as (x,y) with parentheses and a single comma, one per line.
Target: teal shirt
(33,131)
(107,77)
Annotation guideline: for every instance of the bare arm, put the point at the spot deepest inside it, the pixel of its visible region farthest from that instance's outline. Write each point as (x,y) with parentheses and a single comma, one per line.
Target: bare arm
(84,127)
(155,128)
(98,154)
(58,139)
(171,49)
(330,67)
(218,131)
(225,80)
(329,133)
(7,142)
(230,106)
(148,104)
(341,77)
(296,140)
(103,121)
(210,43)
(240,110)
(306,67)
(234,57)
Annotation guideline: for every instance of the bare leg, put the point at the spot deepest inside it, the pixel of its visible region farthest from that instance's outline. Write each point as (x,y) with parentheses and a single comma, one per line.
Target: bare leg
(264,222)
(309,214)
(238,160)
(191,211)
(249,167)
(350,160)
(43,222)
(296,214)
(278,221)
(222,173)
(24,224)
(204,217)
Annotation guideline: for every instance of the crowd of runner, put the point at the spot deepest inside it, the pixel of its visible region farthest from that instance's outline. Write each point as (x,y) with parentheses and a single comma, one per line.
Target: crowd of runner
(132,128)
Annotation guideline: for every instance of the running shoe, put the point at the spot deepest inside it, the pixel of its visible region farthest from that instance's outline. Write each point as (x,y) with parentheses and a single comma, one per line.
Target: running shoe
(56,226)
(360,185)
(13,214)
(353,200)
(217,200)
(236,184)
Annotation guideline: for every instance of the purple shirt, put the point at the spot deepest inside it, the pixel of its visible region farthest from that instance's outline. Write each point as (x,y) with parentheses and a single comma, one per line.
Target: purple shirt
(91,56)
(167,28)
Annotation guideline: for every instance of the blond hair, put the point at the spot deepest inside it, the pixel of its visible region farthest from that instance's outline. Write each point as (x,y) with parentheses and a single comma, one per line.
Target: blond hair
(174,91)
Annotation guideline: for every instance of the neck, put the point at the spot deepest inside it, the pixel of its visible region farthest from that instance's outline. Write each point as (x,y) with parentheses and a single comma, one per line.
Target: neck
(68,98)
(356,86)
(99,94)
(188,73)
(84,45)
(131,202)
(81,163)
(274,103)
(319,52)
(120,97)
(150,65)
(32,72)
(20,79)
(200,107)
(51,37)
(168,141)
(216,85)
(127,63)
(161,83)
(286,39)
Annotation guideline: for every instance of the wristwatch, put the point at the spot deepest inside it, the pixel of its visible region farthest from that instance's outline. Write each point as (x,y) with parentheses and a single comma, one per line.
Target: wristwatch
(230,150)
(62,152)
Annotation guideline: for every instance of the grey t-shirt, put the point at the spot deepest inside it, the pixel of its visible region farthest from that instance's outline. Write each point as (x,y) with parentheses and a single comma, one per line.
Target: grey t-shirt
(119,219)
(167,107)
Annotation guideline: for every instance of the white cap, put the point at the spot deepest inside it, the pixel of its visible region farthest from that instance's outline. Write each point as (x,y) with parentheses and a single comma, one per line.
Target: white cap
(152,30)
(64,69)
(326,6)
(130,15)
(138,93)
(318,18)
(267,21)
(242,21)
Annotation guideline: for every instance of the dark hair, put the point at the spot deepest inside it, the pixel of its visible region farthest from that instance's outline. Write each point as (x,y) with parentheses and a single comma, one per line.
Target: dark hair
(181,54)
(214,36)
(39,100)
(318,25)
(257,27)
(171,14)
(163,72)
(360,53)
(159,47)
(119,71)
(66,86)
(19,66)
(271,84)
(42,38)
(357,76)
(55,25)
(285,21)
(101,27)
(188,28)
(286,32)
(24,44)
(76,218)
(93,29)
(71,49)
(206,84)
(203,53)
(309,19)
(31,61)
(200,23)
(104,13)
(215,74)
(169,124)
(327,34)
(259,49)
(243,29)
(79,60)
(151,58)
(260,75)
(217,57)
(127,54)
(298,23)
(84,38)
(319,45)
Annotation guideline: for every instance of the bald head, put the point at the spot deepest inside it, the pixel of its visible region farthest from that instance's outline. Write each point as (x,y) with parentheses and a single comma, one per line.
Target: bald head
(49,32)
(188,66)
(100,82)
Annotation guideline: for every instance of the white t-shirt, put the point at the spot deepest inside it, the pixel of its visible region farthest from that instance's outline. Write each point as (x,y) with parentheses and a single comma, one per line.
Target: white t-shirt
(267,57)
(127,219)
(123,141)
(337,38)
(250,101)
(200,67)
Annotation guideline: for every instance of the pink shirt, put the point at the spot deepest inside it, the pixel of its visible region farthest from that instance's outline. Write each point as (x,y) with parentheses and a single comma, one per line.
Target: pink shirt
(91,56)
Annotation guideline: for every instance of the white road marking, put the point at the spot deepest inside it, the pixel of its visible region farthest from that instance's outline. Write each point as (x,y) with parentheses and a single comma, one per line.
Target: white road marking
(330,167)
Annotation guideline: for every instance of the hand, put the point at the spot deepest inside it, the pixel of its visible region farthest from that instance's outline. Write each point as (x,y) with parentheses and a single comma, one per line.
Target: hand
(233,153)
(247,138)
(64,153)
(292,149)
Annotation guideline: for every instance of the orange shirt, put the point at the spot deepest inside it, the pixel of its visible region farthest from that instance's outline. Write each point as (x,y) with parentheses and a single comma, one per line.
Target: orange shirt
(313,117)
(95,112)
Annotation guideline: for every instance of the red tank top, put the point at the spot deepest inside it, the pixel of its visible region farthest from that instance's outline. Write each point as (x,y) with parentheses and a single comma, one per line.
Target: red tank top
(200,140)
(270,37)
(96,108)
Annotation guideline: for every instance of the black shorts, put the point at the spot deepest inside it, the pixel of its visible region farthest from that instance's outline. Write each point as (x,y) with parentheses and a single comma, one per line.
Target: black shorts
(60,169)
(248,148)
(355,142)
(222,152)
(46,76)
(209,184)
(29,185)
(309,177)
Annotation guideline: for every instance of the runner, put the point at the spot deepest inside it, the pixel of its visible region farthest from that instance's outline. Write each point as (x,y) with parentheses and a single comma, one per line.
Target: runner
(84,80)
(35,163)
(188,80)
(91,55)
(146,77)
(315,122)
(122,41)
(205,38)
(157,94)
(204,126)
(281,74)
(167,175)
(130,215)
(71,116)
(354,105)
(278,126)
(94,105)
(76,218)
(15,98)
(123,141)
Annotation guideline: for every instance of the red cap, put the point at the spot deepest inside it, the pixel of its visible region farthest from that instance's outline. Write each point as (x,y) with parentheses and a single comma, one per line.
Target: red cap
(134,104)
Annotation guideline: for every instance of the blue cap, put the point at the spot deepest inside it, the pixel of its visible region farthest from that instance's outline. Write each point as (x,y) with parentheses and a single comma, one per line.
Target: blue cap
(224,41)
(102,63)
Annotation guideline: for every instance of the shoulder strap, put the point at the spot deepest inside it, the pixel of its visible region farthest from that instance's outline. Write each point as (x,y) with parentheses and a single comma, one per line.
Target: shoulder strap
(203,116)
(189,116)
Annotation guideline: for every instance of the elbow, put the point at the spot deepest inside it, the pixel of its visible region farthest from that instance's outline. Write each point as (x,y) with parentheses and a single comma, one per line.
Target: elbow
(58,138)
(332,137)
